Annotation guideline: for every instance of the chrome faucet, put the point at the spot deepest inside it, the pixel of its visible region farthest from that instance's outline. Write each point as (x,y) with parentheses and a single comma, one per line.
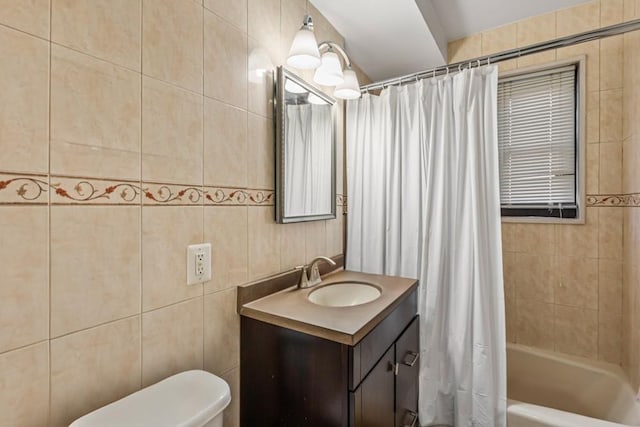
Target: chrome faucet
(310,275)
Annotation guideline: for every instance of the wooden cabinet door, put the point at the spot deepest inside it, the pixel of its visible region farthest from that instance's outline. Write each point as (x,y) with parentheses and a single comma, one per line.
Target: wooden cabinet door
(373,401)
(407,352)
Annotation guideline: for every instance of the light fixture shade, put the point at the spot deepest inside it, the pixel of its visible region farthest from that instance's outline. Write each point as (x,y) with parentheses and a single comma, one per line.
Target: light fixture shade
(304,53)
(330,72)
(350,88)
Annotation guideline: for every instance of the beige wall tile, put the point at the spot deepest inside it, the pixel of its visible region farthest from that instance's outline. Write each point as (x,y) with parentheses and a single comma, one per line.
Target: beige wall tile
(292,245)
(576,331)
(221,332)
(593,117)
(108,29)
(172,42)
(610,168)
(611,12)
(24,115)
(535,279)
(264,22)
(610,341)
(579,240)
(264,233)
(611,62)
(172,134)
(465,48)
(536,29)
(630,170)
(95,266)
(611,116)
(593,168)
(166,233)
(95,117)
(260,96)
(24,276)
(24,389)
(226,228)
(335,233)
(225,61)
(231,417)
(234,11)
(610,233)
(92,368)
(31,16)
(172,340)
(535,323)
(511,318)
(577,282)
(260,153)
(536,59)
(609,289)
(629,9)
(292,13)
(316,244)
(499,39)
(578,19)
(225,144)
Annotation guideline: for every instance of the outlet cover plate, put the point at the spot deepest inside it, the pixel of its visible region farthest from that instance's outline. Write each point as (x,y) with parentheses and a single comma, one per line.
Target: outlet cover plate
(198,263)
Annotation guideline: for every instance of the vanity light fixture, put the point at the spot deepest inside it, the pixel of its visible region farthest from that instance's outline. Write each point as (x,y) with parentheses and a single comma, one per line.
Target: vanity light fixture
(305,54)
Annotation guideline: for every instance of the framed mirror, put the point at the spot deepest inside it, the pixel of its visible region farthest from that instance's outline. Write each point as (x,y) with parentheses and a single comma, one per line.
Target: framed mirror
(305,151)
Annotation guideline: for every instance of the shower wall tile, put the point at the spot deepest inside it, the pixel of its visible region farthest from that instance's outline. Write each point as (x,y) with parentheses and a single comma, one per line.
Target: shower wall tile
(578,19)
(535,323)
(233,11)
(576,331)
(164,270)
(264,22)
(172,340)
(264,250)
(591,50)
(225,61)
(225,144)
(536,59)
(260,153)
(335,233)
(611,12)
(593,121)
(24,317)
(172,134)
(611,62)
(465,48)
(31,16)
(610,340)
(24,84)
(610,234)
(611,115)
(293,245)
(579,240)
(315,240)
(536,277)
(536,29)
(260,96)
(172,44)
(577,282)
(82,25)
(94,367)
(593,168)
(24,389)
(499,39)
(95,117)
(610,168)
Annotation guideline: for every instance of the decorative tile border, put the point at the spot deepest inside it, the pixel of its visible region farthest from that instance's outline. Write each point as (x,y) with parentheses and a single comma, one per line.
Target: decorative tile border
(170,194)
(215,196)
(614,200)
(85,191)
(24,189)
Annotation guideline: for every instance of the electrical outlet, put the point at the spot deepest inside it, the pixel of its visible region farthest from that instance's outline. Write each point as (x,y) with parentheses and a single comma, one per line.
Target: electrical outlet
(198,263)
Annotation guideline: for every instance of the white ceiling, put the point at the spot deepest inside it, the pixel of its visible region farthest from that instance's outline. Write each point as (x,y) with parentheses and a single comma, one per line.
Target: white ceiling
(390,38)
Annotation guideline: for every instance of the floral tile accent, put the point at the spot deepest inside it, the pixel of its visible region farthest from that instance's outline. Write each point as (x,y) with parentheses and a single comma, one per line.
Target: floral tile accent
(85,191)
(225,196)
(170,194)
(620,200)
(261,197)
(24,189)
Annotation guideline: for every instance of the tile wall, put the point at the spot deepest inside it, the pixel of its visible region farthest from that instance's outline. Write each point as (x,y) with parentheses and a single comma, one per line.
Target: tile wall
(128,130)
(564,283)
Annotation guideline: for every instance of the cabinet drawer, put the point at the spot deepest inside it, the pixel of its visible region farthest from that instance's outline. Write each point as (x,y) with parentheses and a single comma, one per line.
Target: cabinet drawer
(367,352)
(407,354)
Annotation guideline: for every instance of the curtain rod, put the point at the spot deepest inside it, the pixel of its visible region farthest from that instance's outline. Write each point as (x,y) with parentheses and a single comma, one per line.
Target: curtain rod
(587,36)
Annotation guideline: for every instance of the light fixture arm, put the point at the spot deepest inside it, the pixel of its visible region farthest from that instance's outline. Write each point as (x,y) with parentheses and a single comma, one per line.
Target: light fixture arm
(329,45)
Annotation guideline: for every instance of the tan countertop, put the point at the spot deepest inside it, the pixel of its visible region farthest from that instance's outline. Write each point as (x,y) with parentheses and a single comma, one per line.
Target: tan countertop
(291,309)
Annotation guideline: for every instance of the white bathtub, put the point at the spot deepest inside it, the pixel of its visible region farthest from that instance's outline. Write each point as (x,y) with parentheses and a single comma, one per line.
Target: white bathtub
(547,389)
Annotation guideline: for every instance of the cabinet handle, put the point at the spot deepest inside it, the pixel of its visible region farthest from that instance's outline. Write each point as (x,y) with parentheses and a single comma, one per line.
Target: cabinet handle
(410,422)
(414,358)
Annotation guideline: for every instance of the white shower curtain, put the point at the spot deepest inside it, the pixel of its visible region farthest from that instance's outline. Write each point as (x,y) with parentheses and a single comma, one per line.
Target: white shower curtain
(422,170)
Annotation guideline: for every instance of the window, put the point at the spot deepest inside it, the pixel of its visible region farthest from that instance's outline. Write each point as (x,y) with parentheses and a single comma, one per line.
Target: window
(538,143)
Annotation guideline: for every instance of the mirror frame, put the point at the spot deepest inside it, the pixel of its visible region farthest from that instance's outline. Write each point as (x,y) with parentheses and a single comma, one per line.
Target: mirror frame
(282,74)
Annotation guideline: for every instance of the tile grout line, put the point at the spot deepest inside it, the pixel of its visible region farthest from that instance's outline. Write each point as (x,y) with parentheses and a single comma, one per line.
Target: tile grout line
(140,255)
(202,234)
(49,406)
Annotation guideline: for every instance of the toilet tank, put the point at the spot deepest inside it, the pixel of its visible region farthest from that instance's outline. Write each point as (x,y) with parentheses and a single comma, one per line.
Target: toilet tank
(188,399)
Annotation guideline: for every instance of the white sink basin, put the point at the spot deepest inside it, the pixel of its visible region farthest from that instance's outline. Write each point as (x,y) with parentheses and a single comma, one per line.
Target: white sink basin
(344,294)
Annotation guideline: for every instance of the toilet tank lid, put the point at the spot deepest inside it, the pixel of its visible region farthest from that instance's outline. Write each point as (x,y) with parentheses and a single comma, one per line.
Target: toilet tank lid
(187,399)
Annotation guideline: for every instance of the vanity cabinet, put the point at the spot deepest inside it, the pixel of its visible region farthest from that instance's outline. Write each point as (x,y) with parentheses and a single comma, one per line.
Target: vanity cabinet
(291,378)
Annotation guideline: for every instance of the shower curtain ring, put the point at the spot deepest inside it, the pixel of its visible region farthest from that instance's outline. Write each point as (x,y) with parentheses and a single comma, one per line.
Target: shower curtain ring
(434,73)
(478,63)
(459,67)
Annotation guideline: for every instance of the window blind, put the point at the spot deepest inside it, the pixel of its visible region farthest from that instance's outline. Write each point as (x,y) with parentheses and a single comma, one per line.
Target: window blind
(537,143)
